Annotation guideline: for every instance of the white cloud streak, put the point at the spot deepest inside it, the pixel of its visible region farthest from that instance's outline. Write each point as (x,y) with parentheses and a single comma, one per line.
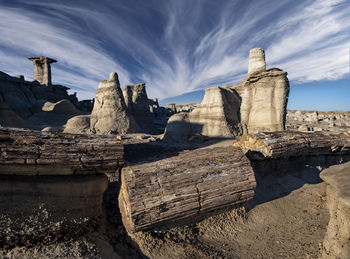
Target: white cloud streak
(189,45)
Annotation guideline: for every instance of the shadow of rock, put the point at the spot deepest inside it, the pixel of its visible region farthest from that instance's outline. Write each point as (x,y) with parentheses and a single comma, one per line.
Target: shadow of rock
(277,178)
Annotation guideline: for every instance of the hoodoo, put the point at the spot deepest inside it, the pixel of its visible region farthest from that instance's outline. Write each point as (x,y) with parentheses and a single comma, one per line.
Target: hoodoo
(42,69)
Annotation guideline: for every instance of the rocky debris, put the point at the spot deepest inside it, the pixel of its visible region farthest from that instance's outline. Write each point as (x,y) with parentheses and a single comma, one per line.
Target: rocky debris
(264,97)
(110,114)
(138,106)
(337,121)
(256,104)
(216,116)
(336,242)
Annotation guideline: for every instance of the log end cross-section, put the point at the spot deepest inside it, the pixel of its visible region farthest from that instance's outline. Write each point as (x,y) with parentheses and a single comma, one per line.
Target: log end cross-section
(184,188)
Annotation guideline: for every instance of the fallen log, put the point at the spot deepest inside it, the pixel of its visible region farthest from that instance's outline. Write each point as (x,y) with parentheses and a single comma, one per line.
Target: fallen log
(26,152)
(288,144)
(184,188)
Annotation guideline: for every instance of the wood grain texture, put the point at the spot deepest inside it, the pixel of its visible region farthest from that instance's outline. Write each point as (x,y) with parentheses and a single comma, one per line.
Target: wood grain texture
(184,188)
(25,152)
(289,143)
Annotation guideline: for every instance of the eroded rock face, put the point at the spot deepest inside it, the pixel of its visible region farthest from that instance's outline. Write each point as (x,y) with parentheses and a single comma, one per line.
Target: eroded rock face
(216,116)
(109,115)
(264,97)
(336,242)
(45,209)
(256,104)
(139,107)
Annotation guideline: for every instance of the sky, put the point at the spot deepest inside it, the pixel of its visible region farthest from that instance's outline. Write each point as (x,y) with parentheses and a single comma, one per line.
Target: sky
(180,47)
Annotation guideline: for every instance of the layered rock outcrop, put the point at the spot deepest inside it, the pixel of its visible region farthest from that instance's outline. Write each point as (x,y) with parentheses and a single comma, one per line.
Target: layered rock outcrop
(216,116)
(264,97)
(138,106)
(258,103)
(110,115)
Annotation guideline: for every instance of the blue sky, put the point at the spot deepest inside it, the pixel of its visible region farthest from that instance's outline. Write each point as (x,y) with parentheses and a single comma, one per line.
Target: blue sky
(182,46)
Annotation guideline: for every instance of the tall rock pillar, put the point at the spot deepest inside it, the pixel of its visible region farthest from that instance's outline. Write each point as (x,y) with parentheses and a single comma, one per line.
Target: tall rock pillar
(256,61)
(42,69)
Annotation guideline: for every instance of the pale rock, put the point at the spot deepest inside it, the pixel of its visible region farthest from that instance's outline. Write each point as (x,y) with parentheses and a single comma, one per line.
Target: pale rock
(109,115)
(256,61)
(264,98)
(216,116)
(78,125)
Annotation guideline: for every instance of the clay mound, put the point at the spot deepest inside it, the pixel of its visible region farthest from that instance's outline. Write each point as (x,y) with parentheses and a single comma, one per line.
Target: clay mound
(216,116)
(61,107)
(109,115)
(78,125)
(8,118)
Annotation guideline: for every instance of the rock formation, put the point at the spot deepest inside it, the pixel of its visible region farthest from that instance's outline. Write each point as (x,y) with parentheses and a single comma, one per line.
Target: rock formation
(264,98)
(216,116)
(258,103)
(110,115)
(256,61)
(138,106)
(337,121)
(42,69)
(25,98)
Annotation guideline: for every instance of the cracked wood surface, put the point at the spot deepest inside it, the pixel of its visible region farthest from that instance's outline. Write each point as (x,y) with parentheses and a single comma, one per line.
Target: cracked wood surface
(289,143)
(184,188)
(25,152)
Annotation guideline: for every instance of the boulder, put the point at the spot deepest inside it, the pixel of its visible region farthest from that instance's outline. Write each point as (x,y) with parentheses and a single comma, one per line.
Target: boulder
(78,125)
(110,115)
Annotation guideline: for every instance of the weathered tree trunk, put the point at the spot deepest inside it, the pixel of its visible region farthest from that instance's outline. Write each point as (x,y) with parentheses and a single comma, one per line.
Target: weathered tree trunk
(184,188)
(287,143)
(25,152)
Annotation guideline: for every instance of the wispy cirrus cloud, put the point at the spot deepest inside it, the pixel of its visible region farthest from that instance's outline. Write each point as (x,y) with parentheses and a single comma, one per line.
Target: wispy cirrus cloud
(175,46)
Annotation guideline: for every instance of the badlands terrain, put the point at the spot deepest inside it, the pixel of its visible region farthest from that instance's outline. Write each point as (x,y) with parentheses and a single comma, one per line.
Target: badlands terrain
(234,176)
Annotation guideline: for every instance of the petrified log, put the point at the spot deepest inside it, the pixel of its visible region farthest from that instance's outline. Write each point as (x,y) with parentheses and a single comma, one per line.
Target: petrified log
(288,143)
(184,188)
(25,152)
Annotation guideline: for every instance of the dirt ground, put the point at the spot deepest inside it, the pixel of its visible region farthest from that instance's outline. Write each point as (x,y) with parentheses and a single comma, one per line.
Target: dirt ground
(287,219)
